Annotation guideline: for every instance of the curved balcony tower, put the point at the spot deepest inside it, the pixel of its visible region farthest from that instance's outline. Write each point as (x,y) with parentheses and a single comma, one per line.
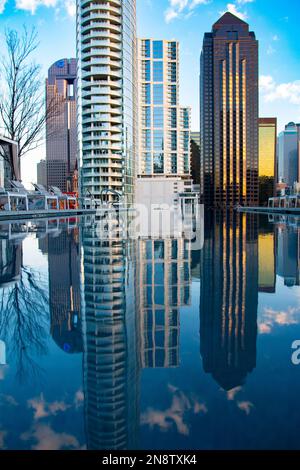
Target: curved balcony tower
(106,48)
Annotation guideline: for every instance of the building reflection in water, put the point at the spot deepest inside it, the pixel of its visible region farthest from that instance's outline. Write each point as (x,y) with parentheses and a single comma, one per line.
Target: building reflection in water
(229,297)
(163,286)
(111,361)
(62,247)
(266,257)
(288,260)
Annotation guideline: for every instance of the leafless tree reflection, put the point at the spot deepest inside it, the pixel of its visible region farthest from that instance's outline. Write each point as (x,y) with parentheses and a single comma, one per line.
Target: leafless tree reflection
(24,321)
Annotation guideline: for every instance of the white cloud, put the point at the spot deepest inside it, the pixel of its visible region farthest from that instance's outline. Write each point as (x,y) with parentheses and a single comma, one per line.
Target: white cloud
(232,8)
(272,91)
(32,5)
(270,50)
(177,8)
(175,414)
(245,406)
(242,2)
(42,409)
(70,6)
(271,318)
(47,439)
(2,5)
(275,38)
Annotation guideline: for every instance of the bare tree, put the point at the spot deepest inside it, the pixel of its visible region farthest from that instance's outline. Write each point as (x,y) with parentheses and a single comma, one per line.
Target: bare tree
(23,112)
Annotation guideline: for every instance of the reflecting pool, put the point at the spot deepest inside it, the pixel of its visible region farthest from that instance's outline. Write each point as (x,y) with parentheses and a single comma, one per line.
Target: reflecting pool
(152,341)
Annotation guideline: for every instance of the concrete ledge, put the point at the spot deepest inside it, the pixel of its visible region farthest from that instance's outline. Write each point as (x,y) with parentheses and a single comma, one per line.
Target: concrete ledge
(25,215)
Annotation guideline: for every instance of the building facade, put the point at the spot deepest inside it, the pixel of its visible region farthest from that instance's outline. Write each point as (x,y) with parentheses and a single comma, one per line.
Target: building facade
(267,159)
(195,157)
(61,126)
(164,125)
(9,162)
(41,173)
(288,161)
(107,110)
(229,114)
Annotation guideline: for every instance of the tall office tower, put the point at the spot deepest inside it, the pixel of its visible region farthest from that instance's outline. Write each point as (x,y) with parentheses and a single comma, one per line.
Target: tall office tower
(164,125)
(107,110)
(267,159)
(229,297)
(61,127)
(163,283)
(288,164)
(229,114)
(41,172)
(195,157)
(111,363)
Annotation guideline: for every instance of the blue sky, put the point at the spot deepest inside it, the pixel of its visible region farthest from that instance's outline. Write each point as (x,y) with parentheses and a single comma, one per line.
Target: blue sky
(275,23)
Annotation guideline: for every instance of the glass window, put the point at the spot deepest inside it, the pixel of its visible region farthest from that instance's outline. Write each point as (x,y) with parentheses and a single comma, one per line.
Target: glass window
(147,116)
(147,48)
(173,117)
(158,140)
(158,117)
(158,72)
(147,139)
(147,68)
(148,94)
(157,50)
(173,140)
(158,94)
(158,163)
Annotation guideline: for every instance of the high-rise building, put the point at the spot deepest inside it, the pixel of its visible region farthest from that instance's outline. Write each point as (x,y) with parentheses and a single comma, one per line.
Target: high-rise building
(229,297)
(61,127)
(41,173)
(195,157)
(267,159)
(107,113)
(164,125)
(229,114)
(288,163)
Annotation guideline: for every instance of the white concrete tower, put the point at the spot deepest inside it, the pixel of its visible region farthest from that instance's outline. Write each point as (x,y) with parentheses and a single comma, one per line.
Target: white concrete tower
(107,96)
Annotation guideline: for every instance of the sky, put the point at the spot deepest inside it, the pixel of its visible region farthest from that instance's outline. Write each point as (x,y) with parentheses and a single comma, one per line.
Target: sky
(275,23)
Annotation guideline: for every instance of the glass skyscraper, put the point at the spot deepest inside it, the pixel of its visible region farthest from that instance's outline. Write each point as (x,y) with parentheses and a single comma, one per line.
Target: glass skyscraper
(229,114)
(164,136)
(106,48)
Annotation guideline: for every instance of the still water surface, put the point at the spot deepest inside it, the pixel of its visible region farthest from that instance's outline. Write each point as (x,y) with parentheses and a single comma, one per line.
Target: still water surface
(150,343)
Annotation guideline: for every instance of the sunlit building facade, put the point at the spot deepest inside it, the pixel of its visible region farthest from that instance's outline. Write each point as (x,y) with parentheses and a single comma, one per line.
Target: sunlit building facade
(107,105)
(229,114)
(164,125)
(267,158)
(267,260)
(61,126)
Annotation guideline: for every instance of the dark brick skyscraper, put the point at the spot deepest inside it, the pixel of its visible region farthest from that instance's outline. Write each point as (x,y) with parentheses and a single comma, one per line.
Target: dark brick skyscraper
(61,127)
(229,114)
